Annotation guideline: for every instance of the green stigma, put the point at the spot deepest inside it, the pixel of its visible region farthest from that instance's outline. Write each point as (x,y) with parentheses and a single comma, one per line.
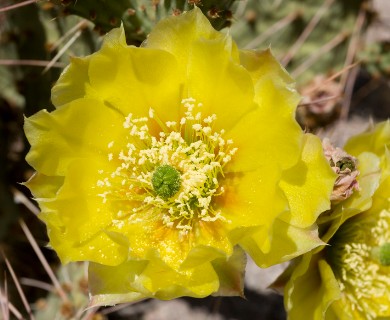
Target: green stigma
(345,163)
(384,254)
(166,181)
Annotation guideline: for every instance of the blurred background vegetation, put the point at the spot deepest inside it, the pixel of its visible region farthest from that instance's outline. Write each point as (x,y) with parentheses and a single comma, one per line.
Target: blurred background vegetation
(338,50)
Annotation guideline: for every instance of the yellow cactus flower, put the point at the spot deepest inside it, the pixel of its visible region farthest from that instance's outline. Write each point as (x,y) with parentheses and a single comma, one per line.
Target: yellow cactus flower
(350,278)
(160,161)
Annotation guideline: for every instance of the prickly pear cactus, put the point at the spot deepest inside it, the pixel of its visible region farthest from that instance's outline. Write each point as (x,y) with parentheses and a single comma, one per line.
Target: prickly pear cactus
(73,280)
(29,41)
(139,16)
(376,59)
(279,24)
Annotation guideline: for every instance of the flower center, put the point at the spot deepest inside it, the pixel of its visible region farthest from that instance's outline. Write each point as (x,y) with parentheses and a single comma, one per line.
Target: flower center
(359,254)
(384,254)
(345,166)
(175,173)
(166,181)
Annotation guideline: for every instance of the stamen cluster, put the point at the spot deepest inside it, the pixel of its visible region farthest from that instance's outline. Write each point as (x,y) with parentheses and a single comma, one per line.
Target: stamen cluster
(361,276)
(191,147)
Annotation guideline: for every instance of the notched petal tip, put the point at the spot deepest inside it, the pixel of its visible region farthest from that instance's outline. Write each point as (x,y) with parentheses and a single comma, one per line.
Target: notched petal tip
(262,63)
(176,33)
(44,187)
(115,37)
(72,82)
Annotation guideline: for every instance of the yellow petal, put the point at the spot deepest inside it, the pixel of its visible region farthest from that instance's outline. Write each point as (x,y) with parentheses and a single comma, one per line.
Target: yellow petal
(177,34)
(133,80)
(79,222)
(209,241)
(222,86)
(81,129)
(231,273)
(43,186)
(165,283)
(311,290)
(208,63)
(259,137)
(251,203)
(330,289)
(148,237)
(134,280)
(252,198)
(285,243)
(262,65)
(381,200)
(375,140)
(74,80)
(123,77)
(71,85)
(113,285)
(308,185)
